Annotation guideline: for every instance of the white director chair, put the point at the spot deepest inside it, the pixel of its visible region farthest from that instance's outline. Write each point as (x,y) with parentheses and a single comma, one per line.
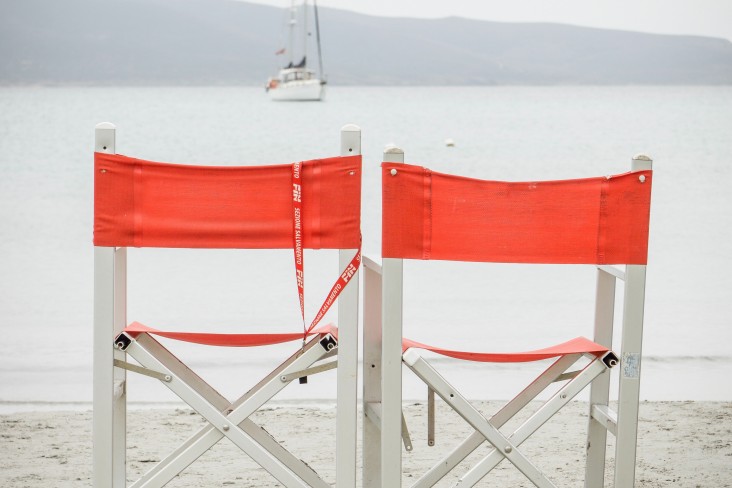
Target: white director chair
(433,216)
(309,205)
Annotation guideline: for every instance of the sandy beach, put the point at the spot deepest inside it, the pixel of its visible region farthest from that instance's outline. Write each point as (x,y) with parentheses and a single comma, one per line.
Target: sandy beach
(684,444)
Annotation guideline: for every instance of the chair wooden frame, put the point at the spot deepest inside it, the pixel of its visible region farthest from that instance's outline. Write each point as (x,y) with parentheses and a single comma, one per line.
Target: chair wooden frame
(112,347)
(382,395)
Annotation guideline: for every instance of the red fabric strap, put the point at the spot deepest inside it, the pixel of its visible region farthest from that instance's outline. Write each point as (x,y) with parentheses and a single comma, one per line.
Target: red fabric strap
(580,345)
(297,232)
(297,237)
(141,203)
(430,215)
(228,340)
(348,273)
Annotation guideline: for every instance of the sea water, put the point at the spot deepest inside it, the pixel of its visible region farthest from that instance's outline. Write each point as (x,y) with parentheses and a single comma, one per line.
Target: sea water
(508,133)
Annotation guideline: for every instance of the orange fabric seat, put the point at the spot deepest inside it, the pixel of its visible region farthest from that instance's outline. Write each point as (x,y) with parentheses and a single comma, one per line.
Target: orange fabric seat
(578,345)
(229,340)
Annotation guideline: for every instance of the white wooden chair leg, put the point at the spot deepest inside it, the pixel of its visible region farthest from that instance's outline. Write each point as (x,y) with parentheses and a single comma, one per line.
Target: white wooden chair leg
(600,388)
(103,419)
(347,375)
(371,440)
(630,368)
(120,375)
(391,361)
(391,375)
(110,305)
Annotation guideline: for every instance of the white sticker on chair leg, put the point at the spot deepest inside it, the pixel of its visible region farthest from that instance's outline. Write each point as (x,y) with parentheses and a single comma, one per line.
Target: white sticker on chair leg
(631,365)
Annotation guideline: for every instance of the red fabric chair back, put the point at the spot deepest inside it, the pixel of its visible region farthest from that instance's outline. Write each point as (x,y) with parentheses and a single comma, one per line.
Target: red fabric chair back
(430,215)
(147,204)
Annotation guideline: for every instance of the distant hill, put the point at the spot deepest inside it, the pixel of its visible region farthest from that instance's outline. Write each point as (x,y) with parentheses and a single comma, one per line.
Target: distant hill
(230,42)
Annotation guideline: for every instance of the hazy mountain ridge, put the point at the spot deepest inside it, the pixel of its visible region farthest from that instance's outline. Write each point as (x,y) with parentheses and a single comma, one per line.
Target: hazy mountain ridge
(230,42)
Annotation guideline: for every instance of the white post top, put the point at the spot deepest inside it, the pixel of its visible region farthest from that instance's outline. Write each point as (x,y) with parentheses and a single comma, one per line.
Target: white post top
(350,140)
(393,154)
(641,162)
(104,137)
(350,128)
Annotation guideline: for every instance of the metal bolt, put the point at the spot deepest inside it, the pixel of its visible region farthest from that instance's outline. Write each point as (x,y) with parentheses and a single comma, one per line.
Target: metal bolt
(393,172)
(564,395)
(642,178)
(507,449)
(351,173)
(168,378)
(283,378)
(226,428)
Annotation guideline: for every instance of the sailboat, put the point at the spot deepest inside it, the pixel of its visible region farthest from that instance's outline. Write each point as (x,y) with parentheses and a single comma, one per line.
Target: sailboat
(295,81)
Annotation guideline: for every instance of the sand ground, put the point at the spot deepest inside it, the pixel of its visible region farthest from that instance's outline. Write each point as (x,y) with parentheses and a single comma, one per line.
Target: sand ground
(681,444)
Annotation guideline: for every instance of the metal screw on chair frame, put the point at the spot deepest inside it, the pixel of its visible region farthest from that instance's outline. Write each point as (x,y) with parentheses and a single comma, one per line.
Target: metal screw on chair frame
(225,428)
(122,341)
(328,342)
(610,360)
(507,449)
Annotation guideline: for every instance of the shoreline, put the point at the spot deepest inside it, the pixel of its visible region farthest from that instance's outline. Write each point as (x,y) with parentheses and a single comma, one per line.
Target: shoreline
(676,379)
(687,444)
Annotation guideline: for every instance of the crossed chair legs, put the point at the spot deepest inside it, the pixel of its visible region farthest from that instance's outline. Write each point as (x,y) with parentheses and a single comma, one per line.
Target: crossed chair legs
(229,419)
(504,447)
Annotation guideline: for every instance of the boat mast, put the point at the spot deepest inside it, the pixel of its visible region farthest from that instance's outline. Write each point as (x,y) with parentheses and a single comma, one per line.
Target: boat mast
(321,75)
(305,32)
(293,22)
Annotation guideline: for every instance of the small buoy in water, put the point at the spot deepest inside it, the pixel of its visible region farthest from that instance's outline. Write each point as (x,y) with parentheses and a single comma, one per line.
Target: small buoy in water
(449,143)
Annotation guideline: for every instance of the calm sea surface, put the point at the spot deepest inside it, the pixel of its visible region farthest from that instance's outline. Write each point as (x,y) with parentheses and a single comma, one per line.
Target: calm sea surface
(511,133)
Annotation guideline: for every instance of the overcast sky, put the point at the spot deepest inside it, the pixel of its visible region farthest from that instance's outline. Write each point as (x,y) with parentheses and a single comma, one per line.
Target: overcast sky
(698,17)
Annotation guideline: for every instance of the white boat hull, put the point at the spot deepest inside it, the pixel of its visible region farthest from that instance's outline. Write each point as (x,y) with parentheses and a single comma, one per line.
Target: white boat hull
(298,90)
